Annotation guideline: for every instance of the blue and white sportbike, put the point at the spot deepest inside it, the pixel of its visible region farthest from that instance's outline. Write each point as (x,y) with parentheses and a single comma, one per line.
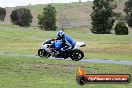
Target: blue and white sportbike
(49,49)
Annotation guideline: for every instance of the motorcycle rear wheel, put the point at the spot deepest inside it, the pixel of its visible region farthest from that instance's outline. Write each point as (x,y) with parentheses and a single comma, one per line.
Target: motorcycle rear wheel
(77,55)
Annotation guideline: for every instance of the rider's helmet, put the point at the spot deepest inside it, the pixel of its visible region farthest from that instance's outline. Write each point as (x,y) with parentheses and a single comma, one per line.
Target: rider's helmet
(60,34)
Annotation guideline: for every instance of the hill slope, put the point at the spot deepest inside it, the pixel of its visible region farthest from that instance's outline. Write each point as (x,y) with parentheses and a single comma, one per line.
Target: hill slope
(75,14)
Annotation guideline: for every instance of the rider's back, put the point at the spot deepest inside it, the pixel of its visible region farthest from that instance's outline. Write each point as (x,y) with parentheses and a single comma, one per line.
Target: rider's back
(68,40)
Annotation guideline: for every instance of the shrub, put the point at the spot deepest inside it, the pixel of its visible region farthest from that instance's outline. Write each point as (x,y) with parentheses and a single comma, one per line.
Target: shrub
(21,17)
(121,29)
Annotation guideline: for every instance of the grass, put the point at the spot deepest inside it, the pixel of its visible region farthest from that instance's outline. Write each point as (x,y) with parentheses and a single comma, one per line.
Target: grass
(33,72)
(14,39)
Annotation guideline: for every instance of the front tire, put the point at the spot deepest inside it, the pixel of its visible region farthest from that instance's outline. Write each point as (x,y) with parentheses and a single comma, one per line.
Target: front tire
(77,55)
(43,53)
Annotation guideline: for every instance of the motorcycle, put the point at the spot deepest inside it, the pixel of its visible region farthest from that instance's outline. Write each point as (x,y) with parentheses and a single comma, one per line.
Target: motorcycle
(48,49)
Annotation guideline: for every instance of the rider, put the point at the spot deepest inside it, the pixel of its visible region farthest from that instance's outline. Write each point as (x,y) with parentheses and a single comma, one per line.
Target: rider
(67,41)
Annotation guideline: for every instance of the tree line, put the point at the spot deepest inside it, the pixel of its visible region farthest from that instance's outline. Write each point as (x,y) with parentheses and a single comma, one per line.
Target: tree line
(104,18)
(2,13)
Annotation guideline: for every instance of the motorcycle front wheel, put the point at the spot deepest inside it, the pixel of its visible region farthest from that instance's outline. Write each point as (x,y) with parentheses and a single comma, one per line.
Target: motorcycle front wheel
(77,55)
(43,53)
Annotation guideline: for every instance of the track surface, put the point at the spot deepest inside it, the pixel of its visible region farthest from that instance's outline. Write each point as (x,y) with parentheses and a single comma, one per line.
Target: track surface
(83,60)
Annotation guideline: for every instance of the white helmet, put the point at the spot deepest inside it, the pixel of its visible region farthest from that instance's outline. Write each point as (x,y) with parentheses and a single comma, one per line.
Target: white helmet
(60,34)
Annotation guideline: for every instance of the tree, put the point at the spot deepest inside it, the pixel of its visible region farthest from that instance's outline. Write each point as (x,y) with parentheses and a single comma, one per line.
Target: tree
(121,29)
(47,21)
(102,16)
(2,14)
(21,17)
(128,11)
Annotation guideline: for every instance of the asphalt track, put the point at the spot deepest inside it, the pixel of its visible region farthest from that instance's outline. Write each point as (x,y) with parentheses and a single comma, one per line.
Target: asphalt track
(83,60)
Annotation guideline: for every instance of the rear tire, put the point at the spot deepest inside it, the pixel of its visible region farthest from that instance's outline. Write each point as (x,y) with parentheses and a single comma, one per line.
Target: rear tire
(77,55)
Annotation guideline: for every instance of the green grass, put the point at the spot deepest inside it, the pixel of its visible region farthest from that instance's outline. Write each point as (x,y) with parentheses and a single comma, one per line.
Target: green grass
(14,39)
(33,72)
